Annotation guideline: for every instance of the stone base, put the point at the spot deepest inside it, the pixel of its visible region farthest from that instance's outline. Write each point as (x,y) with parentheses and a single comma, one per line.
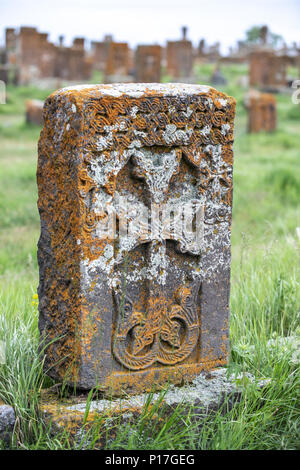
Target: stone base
(207,393)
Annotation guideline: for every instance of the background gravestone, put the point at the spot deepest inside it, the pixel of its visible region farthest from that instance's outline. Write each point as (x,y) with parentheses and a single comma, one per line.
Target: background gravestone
(147,64)
(99,52)
(148,306)
(31,57)
(118,62)
(262,111)
(267,69)
(180,57)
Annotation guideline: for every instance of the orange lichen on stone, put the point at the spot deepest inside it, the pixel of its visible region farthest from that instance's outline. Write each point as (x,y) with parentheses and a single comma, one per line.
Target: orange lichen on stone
(101,419)
(123,303)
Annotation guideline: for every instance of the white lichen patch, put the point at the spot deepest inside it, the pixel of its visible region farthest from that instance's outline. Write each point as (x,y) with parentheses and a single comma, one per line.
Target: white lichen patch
(223,102)
(91,269)
(102,167)
(225,128)
(137,90)
(158,264)
(205,130)
(157,169)
(171,135)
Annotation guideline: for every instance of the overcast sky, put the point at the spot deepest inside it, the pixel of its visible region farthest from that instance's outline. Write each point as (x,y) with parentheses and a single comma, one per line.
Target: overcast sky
(140,21)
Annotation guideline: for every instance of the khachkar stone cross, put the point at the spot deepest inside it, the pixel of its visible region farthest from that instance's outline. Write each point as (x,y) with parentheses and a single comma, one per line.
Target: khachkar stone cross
(135,191)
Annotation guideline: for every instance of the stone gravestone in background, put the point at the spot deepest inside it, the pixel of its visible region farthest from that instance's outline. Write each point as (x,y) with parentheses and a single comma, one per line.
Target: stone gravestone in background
(34,112)
(262,111)
(117,66)
(135,193)
(148,64)
(267,70)
(180,57)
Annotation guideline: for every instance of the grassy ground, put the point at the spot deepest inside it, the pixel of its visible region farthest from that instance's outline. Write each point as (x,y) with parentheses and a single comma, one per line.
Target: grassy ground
(265,292)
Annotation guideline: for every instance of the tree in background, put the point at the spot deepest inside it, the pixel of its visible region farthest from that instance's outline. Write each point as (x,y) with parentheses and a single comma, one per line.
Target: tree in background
(262,35)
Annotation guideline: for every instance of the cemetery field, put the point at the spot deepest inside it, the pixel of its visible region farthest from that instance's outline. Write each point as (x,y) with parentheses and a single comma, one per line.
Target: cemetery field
(265,288)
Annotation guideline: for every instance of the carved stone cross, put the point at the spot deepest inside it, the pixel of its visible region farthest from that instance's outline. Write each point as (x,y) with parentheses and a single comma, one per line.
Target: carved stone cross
(146,301)
(159,328)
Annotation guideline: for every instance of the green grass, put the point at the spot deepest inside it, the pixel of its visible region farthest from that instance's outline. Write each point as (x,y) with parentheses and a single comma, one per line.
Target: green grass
(265,289)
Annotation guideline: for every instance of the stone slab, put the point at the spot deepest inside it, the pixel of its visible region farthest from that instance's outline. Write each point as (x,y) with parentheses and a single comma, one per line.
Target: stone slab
(206,394)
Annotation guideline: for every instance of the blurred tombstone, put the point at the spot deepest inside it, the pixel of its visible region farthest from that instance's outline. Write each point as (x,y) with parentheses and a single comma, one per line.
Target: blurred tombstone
(10,39)
(61,40)
(262,111)
(201,48)
(11,46)
(34,112)
(32,58)
(99,53)
(71,63)
(3,74)
(78,44)
(148,64)
(118,63)
(3,66)
(47,53)
(28,55)
(134,255)
(180,58)
(267,70)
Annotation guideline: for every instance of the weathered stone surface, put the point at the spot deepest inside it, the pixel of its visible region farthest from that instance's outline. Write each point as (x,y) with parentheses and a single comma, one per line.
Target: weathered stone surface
(262,111)
(147,64)
(7,422)
(206,394)
(149,303)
